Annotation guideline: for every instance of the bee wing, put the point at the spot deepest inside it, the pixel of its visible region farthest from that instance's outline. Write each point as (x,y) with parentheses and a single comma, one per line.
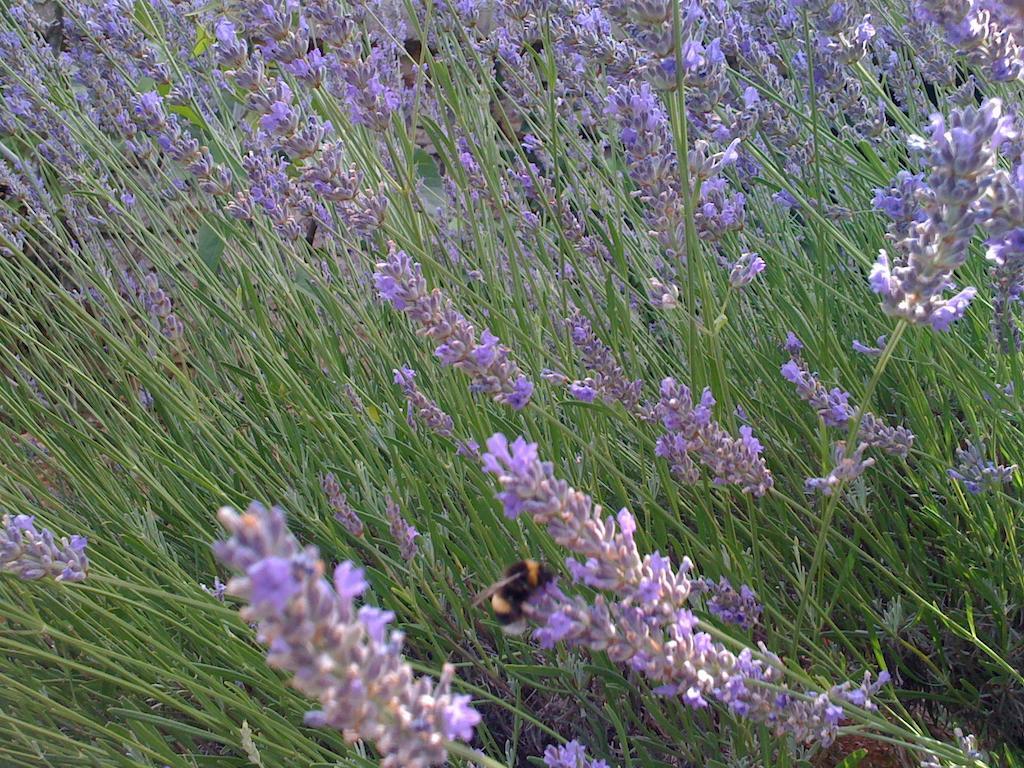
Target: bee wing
(493,588)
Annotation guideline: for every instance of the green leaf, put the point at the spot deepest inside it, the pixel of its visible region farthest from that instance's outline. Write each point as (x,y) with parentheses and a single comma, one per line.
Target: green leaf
(203,41)
(211,246)
(144,19)
(188,113)
(853,759)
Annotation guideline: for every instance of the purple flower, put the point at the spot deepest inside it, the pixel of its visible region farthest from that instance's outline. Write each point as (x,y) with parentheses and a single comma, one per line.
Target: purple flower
(832,405)
(691,433)
(977,473)
(932,243)
(583,390)
(400,282)
(346,658)
(640,616)
(349,581)
(571,755)
(459,719)
(745,269)
(864,349)
(343,511)
(1006,264)
(421,408)
(31,554)
(217,591)
(608,380)
(468,448)
(662,295)
(792,345)
(404,534)
(875,433)
(845,469)
(741,608)
(272,584)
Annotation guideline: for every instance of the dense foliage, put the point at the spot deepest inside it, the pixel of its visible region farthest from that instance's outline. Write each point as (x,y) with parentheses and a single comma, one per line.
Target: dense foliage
(444,284)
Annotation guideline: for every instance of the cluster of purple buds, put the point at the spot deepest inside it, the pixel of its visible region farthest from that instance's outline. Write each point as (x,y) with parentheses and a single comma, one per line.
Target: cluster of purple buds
(980,32)
(607,380)
(649,28)
(977,473)
(743,271)
(723,601)
(653,166)
(640,617)
(662,295)
(571,755)
(646,136)
(31,554)
(399,280)
(177,144)
(421,408)
(401,531)
(159,306)
(845,469)
(1005,222)
(691,432)
(295,201)
(344,656)
(834,408)
(343,511)
(961,155)
(718,212)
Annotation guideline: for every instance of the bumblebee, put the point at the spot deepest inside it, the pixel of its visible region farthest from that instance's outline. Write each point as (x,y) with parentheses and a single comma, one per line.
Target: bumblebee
(519,583)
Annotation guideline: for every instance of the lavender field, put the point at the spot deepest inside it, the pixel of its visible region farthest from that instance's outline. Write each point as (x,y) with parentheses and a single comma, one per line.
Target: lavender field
(317,315)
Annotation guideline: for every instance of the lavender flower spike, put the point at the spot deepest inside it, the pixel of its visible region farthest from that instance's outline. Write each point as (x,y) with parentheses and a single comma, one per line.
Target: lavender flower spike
(608,381)
(846,468)
(641,618)
(571,755)
(399,280)
(33,554)
(977,473)
(962,156)
(691,432)
(343,511)
(741,608)
(422,408)
(401,531)
(832,405)
(341,655)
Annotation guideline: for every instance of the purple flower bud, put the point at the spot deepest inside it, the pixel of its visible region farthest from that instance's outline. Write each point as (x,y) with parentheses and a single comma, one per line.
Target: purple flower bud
(400,282)
(870,351)
(571,755)
(343,511)
(745,269)
(977,473)
(271,583)
(33,554)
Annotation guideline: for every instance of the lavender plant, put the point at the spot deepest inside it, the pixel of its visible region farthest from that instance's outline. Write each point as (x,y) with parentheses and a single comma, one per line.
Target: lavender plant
(203,208)
(343,656)
(644,622)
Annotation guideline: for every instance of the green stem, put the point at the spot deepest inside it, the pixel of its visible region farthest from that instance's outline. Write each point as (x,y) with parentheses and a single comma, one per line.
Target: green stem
(468,753)
(677,112)
(812,584)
